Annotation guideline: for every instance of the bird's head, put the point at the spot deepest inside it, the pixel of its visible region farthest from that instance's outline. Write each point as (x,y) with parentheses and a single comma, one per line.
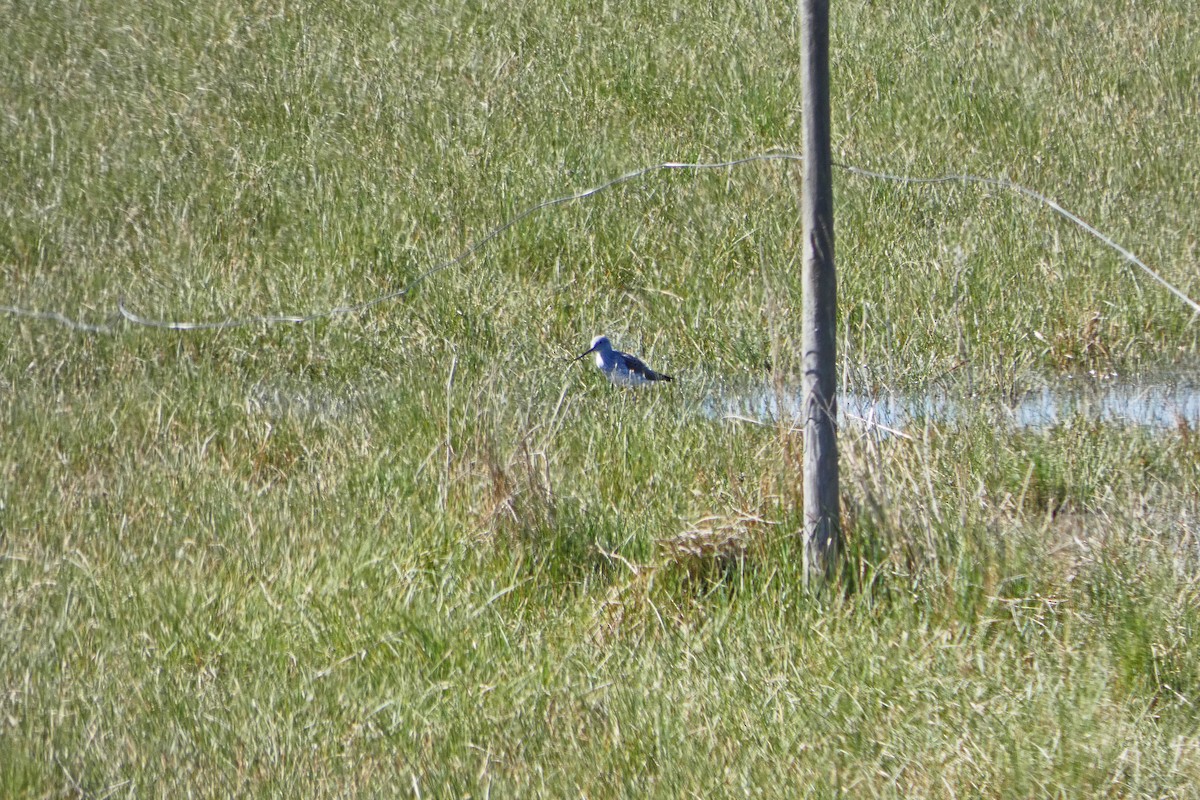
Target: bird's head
(600,343)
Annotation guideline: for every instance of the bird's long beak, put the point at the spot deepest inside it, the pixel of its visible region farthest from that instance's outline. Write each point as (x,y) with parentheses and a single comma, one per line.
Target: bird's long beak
(584,353)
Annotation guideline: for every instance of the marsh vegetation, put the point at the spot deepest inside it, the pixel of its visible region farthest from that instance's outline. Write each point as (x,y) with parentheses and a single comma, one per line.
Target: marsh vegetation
(411,551)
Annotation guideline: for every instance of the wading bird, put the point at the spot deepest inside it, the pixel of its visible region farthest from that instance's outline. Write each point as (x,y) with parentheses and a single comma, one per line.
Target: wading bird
(620,368)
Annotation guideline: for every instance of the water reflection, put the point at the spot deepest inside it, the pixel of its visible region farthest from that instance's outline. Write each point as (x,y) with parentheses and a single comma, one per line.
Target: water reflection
(1153,404)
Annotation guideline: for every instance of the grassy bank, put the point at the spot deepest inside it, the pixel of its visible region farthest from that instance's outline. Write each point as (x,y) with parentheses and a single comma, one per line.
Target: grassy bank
(410,551)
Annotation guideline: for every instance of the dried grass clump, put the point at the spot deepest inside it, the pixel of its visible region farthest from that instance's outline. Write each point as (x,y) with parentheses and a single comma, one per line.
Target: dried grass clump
(715,545)
(507,497)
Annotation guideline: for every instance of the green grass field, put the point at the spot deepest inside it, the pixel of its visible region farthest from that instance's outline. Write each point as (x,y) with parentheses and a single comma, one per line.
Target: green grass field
(411,552)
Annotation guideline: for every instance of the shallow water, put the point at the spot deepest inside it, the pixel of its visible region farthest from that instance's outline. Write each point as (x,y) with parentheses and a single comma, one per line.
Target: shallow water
(1161,404)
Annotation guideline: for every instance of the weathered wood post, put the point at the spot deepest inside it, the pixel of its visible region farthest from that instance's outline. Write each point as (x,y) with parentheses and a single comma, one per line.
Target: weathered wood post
(822,519)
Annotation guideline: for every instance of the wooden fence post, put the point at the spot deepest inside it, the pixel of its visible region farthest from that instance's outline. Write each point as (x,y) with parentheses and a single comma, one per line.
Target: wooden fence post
(822,518)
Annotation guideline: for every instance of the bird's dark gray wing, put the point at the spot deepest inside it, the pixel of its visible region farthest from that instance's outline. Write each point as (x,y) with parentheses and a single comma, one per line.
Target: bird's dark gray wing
(638,367)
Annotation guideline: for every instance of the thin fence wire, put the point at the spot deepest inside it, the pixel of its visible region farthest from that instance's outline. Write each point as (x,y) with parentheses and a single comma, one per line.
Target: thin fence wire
(126,315)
